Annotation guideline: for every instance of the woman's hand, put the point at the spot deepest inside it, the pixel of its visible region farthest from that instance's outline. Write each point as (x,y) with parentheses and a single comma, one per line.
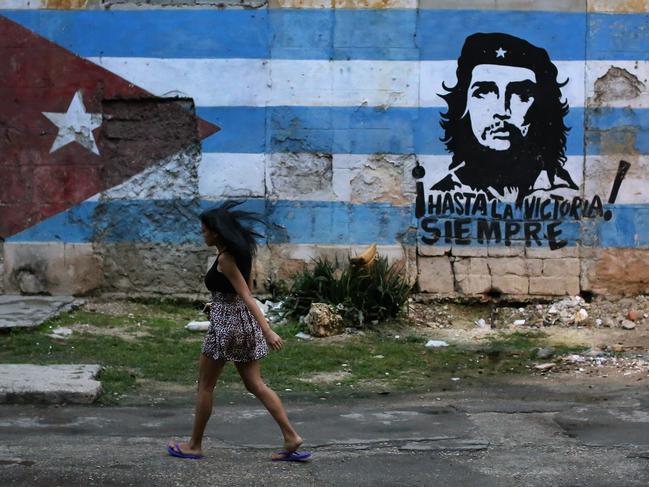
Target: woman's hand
(274,340)
(206,308)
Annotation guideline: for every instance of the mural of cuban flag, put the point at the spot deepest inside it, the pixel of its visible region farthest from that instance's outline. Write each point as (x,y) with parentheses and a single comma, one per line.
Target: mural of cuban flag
(329,120)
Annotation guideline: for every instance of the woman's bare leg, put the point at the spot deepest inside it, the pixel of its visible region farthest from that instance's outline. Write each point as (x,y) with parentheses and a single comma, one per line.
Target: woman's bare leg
(250,372)
(209,371)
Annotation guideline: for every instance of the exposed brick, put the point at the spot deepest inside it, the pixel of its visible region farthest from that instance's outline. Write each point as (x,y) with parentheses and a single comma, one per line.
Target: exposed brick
(511,284)
(554,286)
(433,250)
(515,250)
(508,265)
(461,251)
(546,253)
(534,267)
(473,283)
(561,267)
(435,275)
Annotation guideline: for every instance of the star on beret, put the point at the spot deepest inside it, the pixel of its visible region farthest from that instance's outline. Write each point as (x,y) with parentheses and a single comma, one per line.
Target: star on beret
(500,52)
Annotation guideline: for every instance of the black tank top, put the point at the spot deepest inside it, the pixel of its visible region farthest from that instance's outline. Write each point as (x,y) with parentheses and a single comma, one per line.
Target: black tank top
(217,281)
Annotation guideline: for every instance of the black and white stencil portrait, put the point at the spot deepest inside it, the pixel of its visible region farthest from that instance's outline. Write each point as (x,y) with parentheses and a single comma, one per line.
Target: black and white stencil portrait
(505,121)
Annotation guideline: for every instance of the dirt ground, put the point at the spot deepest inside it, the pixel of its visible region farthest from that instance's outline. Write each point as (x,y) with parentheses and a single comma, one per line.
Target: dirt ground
(614,333)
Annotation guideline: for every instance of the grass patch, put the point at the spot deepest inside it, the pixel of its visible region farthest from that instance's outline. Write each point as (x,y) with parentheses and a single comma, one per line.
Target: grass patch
(164,351)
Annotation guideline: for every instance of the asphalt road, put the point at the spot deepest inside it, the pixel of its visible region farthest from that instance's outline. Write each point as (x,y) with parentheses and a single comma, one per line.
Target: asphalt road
(491,434)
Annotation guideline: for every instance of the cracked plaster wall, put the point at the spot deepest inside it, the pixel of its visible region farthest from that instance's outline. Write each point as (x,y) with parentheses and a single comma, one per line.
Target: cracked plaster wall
(381,178)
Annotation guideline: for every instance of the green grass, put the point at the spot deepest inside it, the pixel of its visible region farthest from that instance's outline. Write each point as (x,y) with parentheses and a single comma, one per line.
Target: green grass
(168,353)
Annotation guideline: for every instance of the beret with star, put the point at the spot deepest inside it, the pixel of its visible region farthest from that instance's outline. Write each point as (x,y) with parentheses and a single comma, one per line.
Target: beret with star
(504,50)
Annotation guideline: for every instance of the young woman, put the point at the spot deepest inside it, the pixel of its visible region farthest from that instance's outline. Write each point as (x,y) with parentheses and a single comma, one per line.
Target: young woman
(238,330)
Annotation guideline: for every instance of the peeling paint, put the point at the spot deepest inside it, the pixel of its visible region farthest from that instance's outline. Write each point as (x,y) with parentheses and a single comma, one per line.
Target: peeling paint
(66,4)
(380,179)
(254,4)
(619,6)
(616,84)
(302,175)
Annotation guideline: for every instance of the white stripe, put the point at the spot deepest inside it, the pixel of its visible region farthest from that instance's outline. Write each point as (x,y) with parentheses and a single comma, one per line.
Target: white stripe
(385,178)
(231,175)
(627,86)
(23,4)
(275,82)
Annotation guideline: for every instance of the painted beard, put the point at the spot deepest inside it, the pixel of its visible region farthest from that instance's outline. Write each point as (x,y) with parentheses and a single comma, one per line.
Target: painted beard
(516,168)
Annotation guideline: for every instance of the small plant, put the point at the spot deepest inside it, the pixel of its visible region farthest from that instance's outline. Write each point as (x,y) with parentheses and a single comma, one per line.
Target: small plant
(362,294)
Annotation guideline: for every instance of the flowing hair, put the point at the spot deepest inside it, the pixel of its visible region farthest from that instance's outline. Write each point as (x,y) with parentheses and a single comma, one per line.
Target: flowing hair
(233,228)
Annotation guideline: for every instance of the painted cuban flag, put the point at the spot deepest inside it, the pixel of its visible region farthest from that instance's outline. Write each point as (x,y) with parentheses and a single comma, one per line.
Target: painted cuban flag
(335,124)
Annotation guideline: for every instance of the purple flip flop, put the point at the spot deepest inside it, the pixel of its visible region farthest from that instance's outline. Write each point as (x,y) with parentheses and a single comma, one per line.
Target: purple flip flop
(293,456)
(177,452)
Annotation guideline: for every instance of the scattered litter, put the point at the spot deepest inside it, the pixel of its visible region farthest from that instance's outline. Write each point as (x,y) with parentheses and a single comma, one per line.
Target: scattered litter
(436,344)
(455,379)
(575,359)
(546,352)
(580,315)
(197,325)
(481,323)
(63,333)
(304,336)
(397,336)
(627,324)
(519,322)
(544,367)
(378,356)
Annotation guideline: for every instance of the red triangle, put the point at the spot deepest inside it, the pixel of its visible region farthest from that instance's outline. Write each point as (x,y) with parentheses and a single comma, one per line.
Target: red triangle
(137,129)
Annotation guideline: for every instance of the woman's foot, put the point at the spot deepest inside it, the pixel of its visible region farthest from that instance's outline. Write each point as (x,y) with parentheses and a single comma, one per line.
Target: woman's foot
(291,445)
(184,450)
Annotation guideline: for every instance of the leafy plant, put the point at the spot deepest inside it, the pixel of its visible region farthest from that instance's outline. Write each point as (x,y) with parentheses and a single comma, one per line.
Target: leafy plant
(361,294)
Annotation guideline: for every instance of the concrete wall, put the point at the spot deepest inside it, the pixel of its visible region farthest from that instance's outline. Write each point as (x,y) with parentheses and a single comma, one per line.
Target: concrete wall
(124,119)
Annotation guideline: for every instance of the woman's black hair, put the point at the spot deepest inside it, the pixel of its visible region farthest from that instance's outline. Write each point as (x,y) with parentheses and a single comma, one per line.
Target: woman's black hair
(237,238)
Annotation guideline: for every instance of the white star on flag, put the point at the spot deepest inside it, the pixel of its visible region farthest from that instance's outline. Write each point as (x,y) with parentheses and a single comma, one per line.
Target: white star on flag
(75,125)
(500,52)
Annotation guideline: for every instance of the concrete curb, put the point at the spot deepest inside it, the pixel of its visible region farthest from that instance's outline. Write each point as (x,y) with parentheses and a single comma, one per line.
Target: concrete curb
(49,384)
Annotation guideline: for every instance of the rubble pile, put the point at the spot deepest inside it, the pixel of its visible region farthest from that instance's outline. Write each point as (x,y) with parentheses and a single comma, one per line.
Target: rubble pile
(575,311)
(572,311)
(599,363)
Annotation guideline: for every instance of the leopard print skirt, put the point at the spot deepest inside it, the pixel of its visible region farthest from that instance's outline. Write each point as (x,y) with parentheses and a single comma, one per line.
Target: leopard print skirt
(234,334)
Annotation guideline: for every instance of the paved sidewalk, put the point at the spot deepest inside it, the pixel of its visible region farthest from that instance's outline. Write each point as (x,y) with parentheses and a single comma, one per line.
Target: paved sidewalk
(493,435)
(30,311)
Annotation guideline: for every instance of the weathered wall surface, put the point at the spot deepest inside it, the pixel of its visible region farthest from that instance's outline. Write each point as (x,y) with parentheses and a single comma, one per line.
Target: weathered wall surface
(513,162)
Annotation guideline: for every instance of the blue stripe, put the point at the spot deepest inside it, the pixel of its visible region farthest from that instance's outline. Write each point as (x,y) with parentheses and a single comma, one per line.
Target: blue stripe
(297,222)
(618,36)
(617,130)
(288,222)
(392,34)
(153,33)
(367,130)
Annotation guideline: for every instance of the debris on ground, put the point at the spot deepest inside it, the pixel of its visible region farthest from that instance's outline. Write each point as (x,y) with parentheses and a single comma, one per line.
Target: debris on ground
(571,311)
(436,344)
(61,333)
(322,320)
(197,325)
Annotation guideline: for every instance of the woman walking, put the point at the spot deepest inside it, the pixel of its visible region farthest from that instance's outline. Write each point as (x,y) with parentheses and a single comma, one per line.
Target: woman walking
(238,331)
